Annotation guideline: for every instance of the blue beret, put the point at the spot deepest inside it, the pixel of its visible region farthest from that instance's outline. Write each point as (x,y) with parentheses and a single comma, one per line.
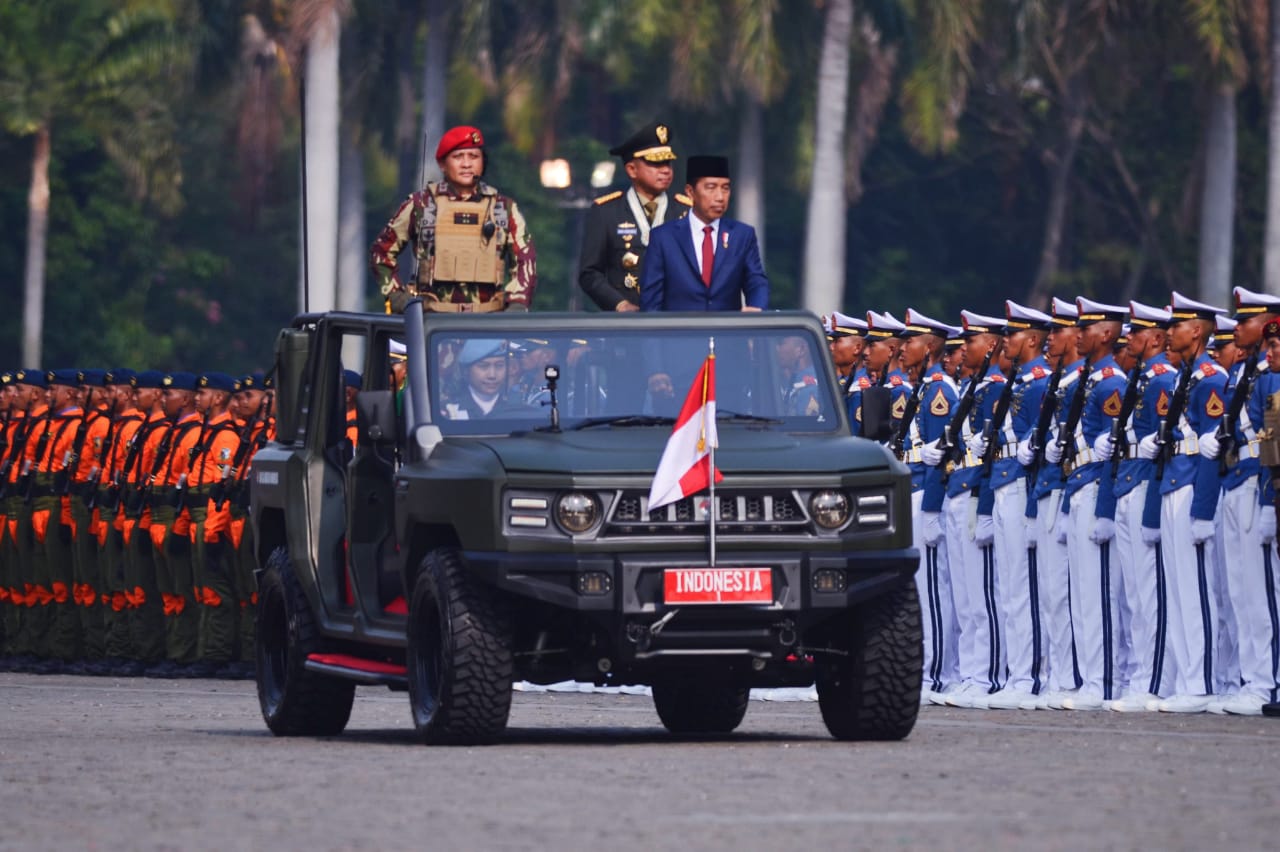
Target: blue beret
(94,378)
(352,379)
(479,349)
(35,378)
(253,381)
(179,381)
(149,379)
(121,376)
(69,378)
(218,382)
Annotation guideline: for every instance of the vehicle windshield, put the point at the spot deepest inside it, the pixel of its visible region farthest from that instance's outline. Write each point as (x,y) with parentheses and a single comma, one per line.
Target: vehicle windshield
(495,382)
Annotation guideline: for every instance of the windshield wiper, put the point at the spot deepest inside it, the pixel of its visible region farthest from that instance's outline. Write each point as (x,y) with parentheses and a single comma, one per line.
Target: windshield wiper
(739,417)
(625,420)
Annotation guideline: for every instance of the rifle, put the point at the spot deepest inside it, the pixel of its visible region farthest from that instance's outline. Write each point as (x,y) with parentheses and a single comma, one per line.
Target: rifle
(993,426)
(1067,431)
(143,494)
(11,454)
(1044,418)
(62,479)
(1229,455)
(908,414)
(221,490)
(1164,435)
(104,457)
(26,481)
(950,435)
(180,490)
(1119,434)
(118,479)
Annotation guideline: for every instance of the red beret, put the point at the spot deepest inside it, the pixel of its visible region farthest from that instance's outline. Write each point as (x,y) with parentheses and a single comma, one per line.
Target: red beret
(458,137)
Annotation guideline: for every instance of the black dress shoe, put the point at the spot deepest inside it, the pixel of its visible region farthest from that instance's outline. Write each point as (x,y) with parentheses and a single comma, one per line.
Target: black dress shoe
(1272,709)
(200,670)
(128,668)
(163,669)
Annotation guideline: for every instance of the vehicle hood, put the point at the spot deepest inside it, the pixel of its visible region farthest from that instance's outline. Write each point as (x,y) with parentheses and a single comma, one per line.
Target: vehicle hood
(638,449)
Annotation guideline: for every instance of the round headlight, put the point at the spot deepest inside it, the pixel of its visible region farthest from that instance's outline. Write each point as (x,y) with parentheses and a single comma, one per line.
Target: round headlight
(577,512)
(830,509)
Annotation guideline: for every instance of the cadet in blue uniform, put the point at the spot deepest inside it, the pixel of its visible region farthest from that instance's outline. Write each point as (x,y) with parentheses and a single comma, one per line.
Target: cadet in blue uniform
(1137,543)
(922,350)
(1189,490)
(846,337)
(880,348)
(1025,333)
(1090,506)
(1265,397)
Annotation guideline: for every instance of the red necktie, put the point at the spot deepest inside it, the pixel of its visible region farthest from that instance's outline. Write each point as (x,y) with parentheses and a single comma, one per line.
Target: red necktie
(708,255)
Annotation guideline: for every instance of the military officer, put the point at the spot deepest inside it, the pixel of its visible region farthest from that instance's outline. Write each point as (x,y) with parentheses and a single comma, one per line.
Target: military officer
(1189,490)
(473,248)
(618,224)
(846,337)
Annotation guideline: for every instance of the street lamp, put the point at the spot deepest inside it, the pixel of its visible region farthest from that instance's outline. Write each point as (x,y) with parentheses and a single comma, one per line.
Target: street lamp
(556,174)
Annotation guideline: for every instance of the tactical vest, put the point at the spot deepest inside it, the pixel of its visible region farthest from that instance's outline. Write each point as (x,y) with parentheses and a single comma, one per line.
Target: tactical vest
(461,241)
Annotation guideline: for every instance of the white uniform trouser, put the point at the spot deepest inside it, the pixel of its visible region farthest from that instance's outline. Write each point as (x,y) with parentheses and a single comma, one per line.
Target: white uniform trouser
(1019,589)
(1143,577)
(1193,600)
(1226,660)
(941,632)
(1251,588)
(1095,609)
(974,589)
(1055,594)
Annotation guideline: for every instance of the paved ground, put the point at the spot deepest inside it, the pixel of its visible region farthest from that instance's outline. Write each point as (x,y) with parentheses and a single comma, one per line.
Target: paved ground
(142,764)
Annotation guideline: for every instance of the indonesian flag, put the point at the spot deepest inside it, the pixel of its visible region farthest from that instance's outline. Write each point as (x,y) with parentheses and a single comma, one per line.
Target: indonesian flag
(685,467)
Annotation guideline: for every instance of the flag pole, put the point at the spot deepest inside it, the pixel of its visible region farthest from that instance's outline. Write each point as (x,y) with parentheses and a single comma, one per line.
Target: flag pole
(711,508)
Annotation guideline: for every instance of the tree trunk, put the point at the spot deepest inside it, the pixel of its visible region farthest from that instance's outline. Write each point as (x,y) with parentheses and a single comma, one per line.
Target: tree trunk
(353,246)
(1218,201)
(37,234)
(874,91)
(824,249)
(322,95)
(435,70)
(749,184)
(1073,120)
(1271,244)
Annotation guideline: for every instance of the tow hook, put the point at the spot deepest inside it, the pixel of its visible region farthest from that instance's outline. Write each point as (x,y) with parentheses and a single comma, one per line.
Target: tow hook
(656,627)
(786,633)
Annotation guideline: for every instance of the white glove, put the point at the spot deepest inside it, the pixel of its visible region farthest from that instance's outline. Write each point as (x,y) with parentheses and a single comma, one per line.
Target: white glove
(985,532)
(931,528)
(1026,453)
(1052,452)
(1209,446)
(977,445)
(1267,524)
(1150,535)
(1201,530)
(1104,529)
(1103,447)
(1060,529)
(1149,447)
(931,454)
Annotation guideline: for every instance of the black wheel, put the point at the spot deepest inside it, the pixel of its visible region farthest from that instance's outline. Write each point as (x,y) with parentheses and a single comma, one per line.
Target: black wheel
(874,692)
(458,656)
(294,701)
(699,704)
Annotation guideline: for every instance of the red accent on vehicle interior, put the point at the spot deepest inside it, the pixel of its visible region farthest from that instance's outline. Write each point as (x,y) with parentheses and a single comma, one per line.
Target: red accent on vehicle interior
(348,594)
(399,606)
(347,661)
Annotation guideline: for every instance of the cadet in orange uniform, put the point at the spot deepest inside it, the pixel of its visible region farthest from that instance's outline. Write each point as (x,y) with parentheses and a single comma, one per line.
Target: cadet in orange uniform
(123,421)
(81,462)
(215,591)
(8,631)
(30,399)
(146,604)
(253,406)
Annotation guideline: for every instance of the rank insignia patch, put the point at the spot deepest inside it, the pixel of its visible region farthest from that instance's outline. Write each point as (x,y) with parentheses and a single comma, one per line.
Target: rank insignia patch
(899,407)
(1162,404)
(940,406)
(1112,406)
(1038,372)
(1213,405)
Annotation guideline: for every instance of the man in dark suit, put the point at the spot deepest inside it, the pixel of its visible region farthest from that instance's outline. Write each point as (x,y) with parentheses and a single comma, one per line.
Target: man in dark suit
(617,227)
(704,262)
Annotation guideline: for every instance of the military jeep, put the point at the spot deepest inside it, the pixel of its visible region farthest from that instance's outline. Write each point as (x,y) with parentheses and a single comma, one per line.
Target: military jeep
(490,523)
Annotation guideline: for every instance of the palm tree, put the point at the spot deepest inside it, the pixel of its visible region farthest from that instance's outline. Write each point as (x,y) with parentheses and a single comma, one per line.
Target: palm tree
(104,68)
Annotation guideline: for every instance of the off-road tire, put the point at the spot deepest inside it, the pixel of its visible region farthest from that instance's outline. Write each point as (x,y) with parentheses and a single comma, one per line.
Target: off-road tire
(699,704)
(294,701)
(458,655)
(874,692)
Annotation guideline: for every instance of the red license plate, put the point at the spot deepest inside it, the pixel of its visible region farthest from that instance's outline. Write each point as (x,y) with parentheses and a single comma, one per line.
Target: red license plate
(717,586)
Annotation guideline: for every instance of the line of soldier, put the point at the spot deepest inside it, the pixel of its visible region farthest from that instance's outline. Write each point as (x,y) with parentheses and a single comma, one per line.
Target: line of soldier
(124,548)
(1093,499)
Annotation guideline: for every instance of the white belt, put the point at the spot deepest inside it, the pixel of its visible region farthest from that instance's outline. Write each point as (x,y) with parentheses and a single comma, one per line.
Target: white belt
(1189,446)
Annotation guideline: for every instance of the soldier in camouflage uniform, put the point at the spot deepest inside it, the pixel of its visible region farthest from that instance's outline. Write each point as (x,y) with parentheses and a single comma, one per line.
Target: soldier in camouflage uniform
(472,245)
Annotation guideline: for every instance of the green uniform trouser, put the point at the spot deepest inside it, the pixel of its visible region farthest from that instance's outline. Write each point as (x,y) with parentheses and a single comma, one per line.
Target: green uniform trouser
(146,619)
(246,584)
(174,577)
(87,583)
(19,625)
(55,572)
(215,588)
(115,592)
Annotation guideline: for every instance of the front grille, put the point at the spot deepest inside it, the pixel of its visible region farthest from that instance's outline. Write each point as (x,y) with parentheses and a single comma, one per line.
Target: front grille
(739,512)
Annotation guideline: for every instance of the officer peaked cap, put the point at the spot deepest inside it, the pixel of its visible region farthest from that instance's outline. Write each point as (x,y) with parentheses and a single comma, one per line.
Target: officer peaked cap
(843,325)
(652,144)
(1144,316)
(1090,312)
(1020,317)
(1249,303)
(917,323)
(975,324)
(1064,312)
(1183,308)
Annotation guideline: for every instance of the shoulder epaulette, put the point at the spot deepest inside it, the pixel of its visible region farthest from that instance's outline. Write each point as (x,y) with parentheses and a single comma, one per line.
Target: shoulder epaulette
(684,199)
(605,199)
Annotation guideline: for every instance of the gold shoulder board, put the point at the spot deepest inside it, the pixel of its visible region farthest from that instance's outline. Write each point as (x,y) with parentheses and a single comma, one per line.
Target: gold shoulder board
(684,199)
(605,199)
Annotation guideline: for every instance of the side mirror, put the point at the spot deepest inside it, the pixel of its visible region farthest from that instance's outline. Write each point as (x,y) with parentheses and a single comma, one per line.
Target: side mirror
(877,418)
(376,417)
